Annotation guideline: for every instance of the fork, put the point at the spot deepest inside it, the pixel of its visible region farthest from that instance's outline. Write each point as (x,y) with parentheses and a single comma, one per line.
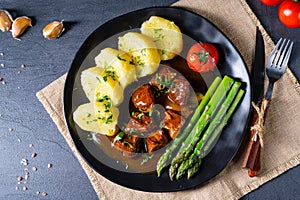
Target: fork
(277,63)
(275,68)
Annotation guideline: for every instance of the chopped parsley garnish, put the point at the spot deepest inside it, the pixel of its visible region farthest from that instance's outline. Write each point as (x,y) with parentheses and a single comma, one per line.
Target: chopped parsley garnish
(101,99)
(147,157)
(143,51)
(160,126)
(107,105)
(151,110)
(131,62)
(105,78)
(164,81)
(110,73)
(156,113)
(119,57)
(132,131)
(89,137)
(140,63)
(101,118)
(139,116)
(109,68)
(159,37)
(129,144)
(156,30)
(109,119)
(98,79)
(119,136)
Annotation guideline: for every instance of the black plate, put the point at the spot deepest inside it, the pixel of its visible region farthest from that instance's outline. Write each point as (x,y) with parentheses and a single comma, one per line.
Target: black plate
(196,27)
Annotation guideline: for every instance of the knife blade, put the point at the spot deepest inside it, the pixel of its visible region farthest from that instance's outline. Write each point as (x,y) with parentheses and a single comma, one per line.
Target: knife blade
(252,158)
(258,68)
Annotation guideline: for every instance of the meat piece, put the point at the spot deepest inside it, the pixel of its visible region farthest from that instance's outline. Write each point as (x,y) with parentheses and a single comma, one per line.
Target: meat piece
(177,87)
(163,78)
(128,144)
(180,90)
(173,123)
(143,98)
(140,123)
(146,122)
(156,141)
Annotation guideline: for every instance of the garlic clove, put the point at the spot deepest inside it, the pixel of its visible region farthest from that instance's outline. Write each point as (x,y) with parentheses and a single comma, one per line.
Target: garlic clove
(53,30)
(5,21)
(19,25)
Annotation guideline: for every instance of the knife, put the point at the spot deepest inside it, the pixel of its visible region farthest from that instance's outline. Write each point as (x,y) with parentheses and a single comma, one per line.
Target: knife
(252,160)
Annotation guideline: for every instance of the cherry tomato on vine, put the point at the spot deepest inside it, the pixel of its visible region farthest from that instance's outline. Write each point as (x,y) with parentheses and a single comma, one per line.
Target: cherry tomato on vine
(289,13)
(271,2)
(203,57)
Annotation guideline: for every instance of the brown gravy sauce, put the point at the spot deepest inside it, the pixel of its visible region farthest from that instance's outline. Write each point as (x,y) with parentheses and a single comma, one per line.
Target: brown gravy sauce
(138,163)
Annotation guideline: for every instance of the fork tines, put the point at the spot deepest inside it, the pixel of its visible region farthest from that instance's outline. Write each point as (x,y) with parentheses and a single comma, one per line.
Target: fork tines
(281,53)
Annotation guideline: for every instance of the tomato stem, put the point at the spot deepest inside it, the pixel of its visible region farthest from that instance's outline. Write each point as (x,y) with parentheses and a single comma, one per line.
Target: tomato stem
(202,56)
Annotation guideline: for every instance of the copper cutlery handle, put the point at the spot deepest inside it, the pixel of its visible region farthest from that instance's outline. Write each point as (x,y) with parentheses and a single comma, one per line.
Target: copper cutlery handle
(252,160)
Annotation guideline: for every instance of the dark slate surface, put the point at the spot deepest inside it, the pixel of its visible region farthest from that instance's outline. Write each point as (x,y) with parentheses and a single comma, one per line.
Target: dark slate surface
(45,61)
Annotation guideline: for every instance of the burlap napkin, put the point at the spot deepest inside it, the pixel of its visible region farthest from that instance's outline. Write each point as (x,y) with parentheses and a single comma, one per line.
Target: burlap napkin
(281,139)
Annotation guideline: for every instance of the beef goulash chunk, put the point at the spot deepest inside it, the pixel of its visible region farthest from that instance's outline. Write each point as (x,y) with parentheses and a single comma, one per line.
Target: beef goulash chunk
(143,98)
(156,140)
(163,78)
(180,90)
(128,144)
(173,123)
(140,123)
(156,112)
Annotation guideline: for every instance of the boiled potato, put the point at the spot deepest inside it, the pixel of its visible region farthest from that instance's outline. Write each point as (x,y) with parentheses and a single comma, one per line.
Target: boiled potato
(166,35)
(85,118)
(143,50)
(99,116)
(105,81)
(110,87)
(106,113)
(104,123)
(118,62)
(89,79)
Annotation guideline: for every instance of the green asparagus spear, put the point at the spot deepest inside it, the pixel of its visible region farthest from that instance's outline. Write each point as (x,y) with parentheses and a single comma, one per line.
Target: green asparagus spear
(165,158)
(206,148)
(218,119)
(193,170)
(212,140)
(190,162)
(209,112)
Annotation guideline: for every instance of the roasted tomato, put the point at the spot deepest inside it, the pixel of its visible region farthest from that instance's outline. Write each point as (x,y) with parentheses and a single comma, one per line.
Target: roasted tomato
(202,57)
(289,13)
(271,2)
